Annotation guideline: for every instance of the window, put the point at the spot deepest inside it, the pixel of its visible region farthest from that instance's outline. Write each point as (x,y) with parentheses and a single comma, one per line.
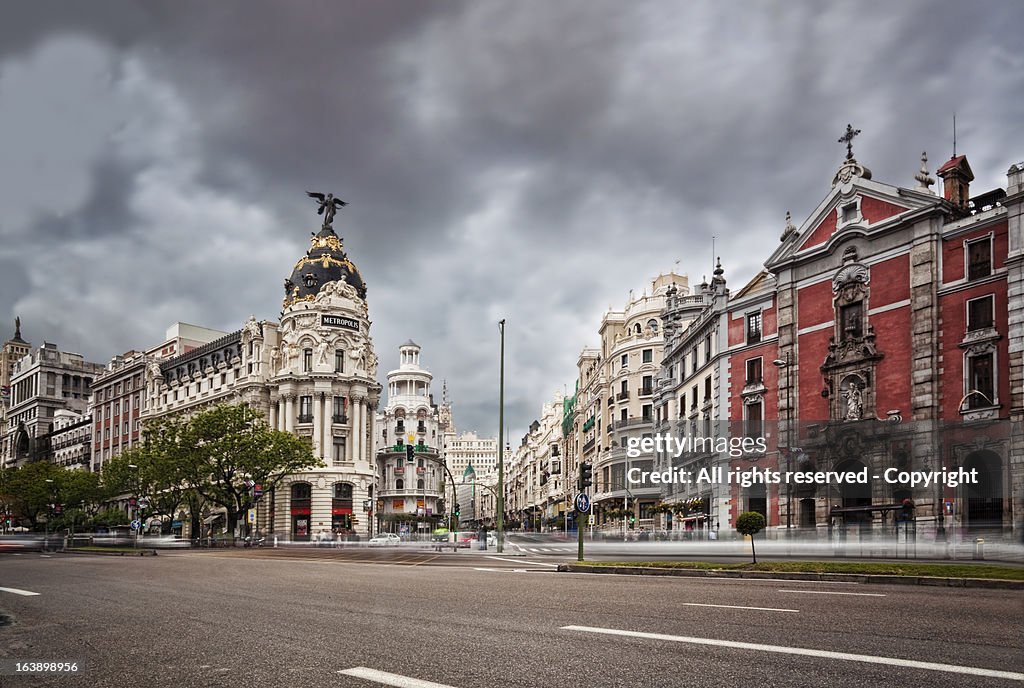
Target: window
(306,409)
(851,318)
(399,484)
(707,349)
(753,327)
(979,258)
(653,325)
(682,404)
(707,388)
(647,386)
(849,213)
(980,380)
(623,415)
(624,392)
(754,371)
(624,361)
(339,410)
(648,355)
(754,419)
(339,361)
(979,313)
(645,412)
(307,360)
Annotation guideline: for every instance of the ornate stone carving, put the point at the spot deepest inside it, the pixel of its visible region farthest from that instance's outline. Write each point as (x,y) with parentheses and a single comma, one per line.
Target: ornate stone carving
(852,274)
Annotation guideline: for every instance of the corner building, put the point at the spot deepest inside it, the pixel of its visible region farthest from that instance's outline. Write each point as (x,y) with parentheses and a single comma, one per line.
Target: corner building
(311,374)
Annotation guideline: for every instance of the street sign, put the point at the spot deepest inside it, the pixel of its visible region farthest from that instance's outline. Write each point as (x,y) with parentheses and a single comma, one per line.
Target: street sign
(257,491)
(582,502)
(136,524)
(252,515)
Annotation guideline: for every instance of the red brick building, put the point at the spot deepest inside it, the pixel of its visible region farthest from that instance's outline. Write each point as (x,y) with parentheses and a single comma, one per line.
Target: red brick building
(885,333)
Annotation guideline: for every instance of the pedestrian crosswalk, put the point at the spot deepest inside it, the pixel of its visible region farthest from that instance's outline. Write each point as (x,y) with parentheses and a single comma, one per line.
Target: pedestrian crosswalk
(546,549)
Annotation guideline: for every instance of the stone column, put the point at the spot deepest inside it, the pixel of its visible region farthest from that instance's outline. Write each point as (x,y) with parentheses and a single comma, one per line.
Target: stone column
(318,424)
(273,414)
(357,427)
(289,413)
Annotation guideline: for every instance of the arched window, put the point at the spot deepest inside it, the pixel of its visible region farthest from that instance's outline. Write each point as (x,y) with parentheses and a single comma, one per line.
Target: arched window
(419,484)
(302,491)
(653,324)
(399,484)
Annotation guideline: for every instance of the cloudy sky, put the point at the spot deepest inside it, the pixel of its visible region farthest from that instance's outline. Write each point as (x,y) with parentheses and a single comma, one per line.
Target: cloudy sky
(530,160)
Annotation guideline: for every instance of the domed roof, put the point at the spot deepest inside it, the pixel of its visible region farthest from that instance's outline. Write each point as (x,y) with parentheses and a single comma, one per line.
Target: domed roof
(324,262)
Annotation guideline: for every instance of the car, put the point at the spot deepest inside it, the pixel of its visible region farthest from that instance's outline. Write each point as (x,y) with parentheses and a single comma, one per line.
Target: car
(385,540)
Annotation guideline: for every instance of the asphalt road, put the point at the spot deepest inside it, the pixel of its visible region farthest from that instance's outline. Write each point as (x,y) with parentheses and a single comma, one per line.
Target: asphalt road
(298,618)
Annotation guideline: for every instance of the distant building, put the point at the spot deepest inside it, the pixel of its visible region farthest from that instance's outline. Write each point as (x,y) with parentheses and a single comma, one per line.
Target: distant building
(43,382)
(12,351)
(412,488)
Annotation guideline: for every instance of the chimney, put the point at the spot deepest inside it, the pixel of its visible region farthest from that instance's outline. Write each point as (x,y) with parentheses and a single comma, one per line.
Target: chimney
(956,178)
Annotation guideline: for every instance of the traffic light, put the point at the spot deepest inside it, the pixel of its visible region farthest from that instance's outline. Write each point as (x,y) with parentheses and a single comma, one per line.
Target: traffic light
(457,510)
(586,478)
(632,521)
(410,453)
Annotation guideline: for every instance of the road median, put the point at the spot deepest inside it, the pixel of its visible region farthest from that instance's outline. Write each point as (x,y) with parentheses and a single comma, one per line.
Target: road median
(941,575)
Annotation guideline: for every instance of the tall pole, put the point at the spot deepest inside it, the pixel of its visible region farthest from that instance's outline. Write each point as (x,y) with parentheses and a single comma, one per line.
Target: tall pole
(501,434)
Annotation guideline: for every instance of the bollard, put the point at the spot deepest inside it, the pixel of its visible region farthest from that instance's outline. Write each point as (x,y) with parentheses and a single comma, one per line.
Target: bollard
(979,548)
(275,541)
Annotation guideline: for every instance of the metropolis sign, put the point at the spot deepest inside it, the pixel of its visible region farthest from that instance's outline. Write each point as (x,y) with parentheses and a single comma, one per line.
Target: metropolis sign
(339,321)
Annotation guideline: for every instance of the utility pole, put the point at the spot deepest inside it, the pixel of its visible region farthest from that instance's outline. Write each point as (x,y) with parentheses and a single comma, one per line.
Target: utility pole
(501,433)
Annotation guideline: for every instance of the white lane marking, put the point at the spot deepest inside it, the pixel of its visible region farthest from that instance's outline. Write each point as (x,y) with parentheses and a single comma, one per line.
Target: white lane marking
(807,652)
(506,570)
(387,679)
(830,592)
(729,606)
(16,591)
(519,561)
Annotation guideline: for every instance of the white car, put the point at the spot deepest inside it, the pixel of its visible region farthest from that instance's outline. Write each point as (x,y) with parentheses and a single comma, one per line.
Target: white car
(385,540)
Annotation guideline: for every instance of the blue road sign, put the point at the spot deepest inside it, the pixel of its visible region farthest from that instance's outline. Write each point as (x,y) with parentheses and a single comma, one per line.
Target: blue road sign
(582,502)
(136,524)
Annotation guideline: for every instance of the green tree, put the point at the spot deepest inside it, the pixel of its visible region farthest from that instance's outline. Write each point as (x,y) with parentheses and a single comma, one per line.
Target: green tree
(28,491)
(750,523)
(157,470)
(229,447)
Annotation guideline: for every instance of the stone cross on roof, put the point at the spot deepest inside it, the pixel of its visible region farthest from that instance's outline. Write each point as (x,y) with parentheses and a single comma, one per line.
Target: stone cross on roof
(847,138)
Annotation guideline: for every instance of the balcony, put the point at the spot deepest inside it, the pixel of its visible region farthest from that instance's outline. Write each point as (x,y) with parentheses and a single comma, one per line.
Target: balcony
(339,420)
(646,391)
(621,396)
(305,418)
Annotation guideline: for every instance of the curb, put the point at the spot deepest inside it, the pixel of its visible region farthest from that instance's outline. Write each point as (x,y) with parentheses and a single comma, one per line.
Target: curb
(989,583)
(140,553)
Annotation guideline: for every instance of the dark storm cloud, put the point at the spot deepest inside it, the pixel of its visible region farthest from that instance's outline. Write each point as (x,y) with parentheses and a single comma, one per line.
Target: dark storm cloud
(532,160)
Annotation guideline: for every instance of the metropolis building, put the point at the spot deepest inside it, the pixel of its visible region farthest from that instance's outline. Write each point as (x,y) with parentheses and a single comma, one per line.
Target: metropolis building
(311,374)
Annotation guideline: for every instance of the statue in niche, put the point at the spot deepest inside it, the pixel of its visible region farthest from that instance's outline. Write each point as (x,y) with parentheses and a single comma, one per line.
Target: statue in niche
(321,351)
(275,359)
(854,402)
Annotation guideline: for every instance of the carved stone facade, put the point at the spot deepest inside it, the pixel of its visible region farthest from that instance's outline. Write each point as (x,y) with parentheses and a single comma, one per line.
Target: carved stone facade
(313,374)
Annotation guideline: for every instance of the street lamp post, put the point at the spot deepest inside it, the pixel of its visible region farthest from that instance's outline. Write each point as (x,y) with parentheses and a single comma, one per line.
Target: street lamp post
(49,515)
(788,365)
(501,433)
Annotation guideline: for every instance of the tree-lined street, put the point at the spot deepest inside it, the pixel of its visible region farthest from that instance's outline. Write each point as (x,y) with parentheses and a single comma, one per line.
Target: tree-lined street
(209,619)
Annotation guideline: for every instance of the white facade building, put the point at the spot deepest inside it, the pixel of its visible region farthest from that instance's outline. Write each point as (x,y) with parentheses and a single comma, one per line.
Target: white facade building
(414,488)
(311,374)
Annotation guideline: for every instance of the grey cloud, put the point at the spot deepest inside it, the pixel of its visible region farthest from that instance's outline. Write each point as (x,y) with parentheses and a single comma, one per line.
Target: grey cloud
(533,161)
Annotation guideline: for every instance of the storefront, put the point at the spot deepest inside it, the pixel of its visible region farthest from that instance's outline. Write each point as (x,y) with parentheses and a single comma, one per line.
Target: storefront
(301,511)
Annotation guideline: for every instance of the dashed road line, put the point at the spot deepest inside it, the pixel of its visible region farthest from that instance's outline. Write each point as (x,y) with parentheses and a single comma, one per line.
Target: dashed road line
(387,679)
(807,652)
(730,606)
(831,592)
(18,591)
